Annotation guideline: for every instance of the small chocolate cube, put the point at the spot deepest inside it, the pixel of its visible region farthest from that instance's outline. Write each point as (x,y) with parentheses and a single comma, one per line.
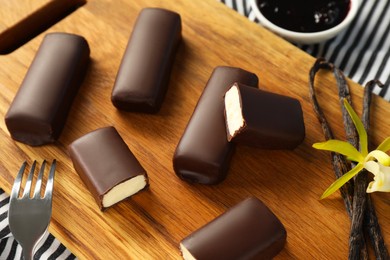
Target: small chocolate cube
(107,166)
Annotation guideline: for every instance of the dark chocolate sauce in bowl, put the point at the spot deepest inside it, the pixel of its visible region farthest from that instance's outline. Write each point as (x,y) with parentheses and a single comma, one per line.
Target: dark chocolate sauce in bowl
(305,15)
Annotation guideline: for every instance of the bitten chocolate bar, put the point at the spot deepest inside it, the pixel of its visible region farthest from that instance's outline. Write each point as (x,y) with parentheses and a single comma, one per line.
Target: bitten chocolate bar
(143,76)
(248,230)
(263,119)
(107,166)
(203,153)
(39,110)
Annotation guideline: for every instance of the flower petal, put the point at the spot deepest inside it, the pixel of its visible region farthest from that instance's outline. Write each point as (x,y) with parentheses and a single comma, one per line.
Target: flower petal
(382,157)
(385,145)
(381,180)
(359,127)
(378,185)
(372,167)
(341,147)
(342,180)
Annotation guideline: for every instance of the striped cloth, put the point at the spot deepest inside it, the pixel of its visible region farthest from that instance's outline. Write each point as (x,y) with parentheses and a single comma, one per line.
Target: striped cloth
(362,51)
(50,248)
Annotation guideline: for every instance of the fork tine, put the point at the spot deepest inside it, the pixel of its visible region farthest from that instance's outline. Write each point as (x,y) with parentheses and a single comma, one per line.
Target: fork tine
(37,190)
(50,180)
(27,188)
(18,182)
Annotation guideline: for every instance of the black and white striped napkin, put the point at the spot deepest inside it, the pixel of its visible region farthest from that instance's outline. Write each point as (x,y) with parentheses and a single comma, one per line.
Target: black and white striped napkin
(50,248)
(362,51)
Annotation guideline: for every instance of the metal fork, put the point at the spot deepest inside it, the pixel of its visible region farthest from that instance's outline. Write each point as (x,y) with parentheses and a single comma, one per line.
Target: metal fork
(29,216)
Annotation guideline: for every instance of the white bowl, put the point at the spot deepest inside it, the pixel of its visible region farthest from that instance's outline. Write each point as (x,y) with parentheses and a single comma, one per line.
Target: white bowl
(303,37)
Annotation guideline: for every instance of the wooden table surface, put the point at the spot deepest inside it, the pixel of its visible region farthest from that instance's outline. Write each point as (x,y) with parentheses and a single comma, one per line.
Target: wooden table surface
(151,224)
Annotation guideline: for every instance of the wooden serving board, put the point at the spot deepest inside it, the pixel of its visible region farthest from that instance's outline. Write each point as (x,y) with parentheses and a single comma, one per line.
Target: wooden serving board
(151,224)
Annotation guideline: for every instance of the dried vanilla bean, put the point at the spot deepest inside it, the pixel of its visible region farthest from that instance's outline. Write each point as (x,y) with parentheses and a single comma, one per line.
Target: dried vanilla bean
(339,163)
(357,242)
(356,236)
(371,224)
(357,202)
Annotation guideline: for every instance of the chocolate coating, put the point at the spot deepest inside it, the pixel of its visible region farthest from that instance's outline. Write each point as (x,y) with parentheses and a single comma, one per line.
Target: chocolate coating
(203,153)
(35,23)
(271,121)
(103,160)
(143,76)
(39,110)
(248,230)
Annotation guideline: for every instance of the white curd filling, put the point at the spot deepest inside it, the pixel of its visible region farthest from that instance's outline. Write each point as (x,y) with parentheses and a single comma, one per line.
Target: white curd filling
(124,190)
(234,118)
(185,253)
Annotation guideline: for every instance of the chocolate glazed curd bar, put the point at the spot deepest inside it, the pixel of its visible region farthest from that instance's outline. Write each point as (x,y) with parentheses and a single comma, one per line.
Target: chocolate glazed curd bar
(263,119)
(249,230)
(39,110)
(107,166)
(143,76)
(203,153)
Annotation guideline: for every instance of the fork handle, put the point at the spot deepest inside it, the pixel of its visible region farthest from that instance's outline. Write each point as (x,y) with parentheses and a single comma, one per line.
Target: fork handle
(28,253)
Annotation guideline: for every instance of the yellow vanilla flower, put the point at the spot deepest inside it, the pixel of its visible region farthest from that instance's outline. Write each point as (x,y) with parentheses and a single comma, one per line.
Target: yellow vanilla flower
(364,159)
